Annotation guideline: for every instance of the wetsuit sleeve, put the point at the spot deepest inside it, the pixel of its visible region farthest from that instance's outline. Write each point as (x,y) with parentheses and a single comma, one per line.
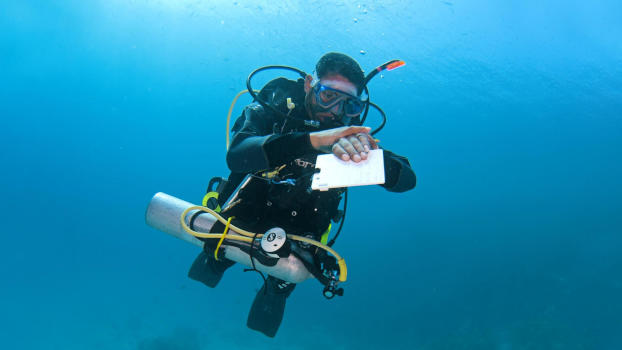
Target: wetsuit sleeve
(256,147)
(399,176)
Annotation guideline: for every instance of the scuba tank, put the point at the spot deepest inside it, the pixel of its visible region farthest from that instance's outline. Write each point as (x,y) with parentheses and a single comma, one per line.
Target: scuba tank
(274,252)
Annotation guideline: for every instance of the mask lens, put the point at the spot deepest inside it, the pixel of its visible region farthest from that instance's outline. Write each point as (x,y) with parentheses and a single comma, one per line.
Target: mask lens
(328,97)
(353,107)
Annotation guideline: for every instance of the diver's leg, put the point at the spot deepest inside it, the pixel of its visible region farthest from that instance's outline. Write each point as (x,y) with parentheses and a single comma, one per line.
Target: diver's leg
(206,269)
(269,305)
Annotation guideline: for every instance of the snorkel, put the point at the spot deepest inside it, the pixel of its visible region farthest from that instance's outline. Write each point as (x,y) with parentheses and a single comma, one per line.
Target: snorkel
(391,65)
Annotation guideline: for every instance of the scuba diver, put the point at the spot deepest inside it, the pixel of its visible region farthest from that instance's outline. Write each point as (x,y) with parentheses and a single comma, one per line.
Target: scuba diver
(276,142)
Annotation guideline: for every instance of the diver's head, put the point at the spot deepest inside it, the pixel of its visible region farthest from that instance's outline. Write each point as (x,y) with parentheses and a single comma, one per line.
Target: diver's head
(333,94)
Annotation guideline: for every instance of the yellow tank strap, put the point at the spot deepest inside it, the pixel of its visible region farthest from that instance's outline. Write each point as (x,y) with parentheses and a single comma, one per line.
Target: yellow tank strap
(324,238)
(207,197)
(222,238)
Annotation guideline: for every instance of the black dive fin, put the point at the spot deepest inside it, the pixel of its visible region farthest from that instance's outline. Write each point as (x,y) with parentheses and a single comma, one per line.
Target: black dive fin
(269,305)
(207,270)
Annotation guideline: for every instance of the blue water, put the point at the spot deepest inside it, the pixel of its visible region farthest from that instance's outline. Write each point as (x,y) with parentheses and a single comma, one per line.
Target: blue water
(510,113)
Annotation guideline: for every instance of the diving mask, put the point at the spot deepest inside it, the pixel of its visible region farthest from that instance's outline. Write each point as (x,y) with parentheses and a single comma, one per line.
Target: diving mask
(327,98)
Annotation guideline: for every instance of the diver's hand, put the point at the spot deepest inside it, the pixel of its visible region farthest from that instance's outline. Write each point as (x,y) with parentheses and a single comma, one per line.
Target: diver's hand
(346,143)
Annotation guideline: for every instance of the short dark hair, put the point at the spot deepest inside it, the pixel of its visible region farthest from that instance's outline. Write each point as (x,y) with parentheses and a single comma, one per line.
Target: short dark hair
(335,62)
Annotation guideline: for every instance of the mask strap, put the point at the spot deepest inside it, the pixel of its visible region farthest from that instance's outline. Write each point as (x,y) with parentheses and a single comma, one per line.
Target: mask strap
(315,80)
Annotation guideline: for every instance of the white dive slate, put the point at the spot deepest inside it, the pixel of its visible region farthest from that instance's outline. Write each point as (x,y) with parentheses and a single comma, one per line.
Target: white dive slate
(335,172)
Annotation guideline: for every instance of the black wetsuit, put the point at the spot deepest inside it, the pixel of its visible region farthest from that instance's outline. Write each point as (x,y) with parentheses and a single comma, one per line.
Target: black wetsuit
(264,141)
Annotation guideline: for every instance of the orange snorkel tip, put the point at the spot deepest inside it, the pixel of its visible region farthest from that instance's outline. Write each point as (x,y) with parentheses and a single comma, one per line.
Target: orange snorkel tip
(391,65)
(394,65)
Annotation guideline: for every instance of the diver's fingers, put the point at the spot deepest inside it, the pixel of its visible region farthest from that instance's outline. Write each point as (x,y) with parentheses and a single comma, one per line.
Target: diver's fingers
(348,147)
(369,139)
(365,141)
(340,153)
(358,146)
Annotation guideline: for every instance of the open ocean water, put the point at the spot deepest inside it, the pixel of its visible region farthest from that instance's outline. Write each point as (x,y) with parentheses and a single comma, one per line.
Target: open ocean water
(509,111)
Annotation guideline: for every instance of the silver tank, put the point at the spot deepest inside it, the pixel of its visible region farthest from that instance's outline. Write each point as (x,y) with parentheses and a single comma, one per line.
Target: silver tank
(164,212)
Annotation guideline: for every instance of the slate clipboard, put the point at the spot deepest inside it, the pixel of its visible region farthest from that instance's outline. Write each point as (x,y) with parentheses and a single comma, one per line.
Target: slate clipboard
(336,173)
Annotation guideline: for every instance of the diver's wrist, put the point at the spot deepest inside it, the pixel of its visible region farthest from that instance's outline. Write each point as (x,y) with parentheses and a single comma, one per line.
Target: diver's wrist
(314,140)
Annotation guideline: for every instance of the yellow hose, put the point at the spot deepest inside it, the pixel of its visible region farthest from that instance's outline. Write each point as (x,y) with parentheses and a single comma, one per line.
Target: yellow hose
(235,99)
(343,270)
(247,236)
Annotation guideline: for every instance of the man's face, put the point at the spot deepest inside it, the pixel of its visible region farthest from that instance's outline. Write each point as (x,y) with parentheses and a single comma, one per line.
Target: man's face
(332,82)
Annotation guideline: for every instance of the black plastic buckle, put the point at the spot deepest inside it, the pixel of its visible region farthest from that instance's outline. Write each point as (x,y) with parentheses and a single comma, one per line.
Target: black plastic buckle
(331,290)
